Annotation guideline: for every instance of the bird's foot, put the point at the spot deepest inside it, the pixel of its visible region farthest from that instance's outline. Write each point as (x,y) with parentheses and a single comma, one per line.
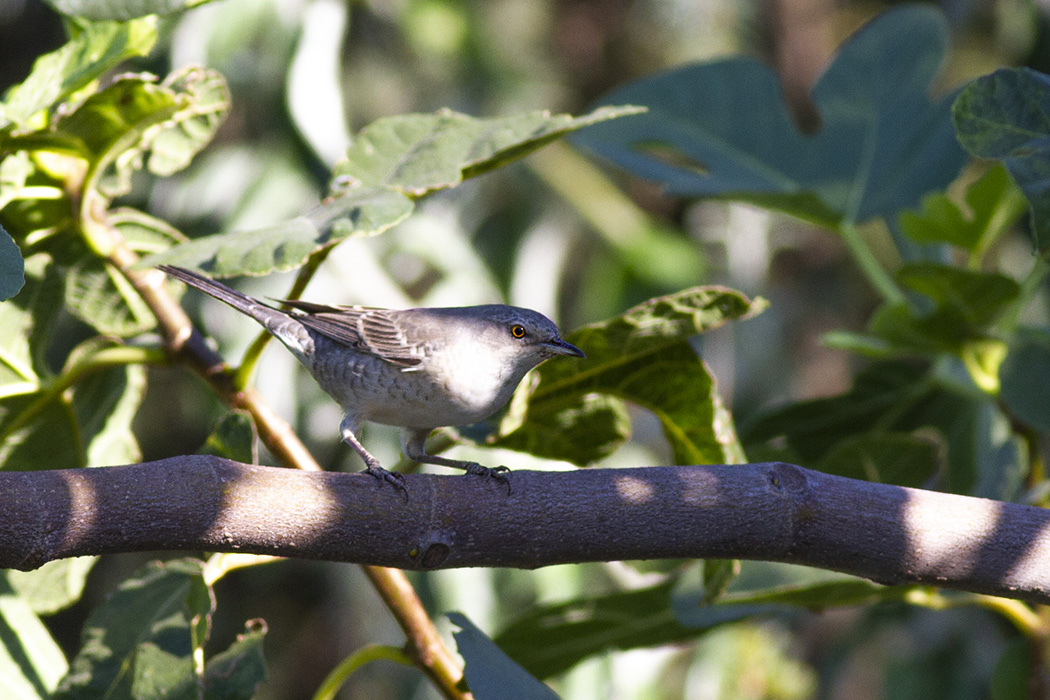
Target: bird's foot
(393,478)
(498,473)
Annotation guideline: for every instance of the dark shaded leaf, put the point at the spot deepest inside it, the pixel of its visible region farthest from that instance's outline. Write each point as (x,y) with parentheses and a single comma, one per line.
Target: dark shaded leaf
(139,644)
(723,130)
(1025,378)
(1006,115)
(236,673)
(887,458)
(490,673)
(994,204)
(233,438)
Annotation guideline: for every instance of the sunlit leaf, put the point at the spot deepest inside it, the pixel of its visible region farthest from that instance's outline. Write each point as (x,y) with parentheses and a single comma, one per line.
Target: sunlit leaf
(391,163)
(54,586)
(31,662)
(121,10)
(420,153)
(94,49)
(643,357)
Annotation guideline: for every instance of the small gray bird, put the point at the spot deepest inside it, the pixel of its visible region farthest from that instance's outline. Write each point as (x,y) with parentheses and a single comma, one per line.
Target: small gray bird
(418,369)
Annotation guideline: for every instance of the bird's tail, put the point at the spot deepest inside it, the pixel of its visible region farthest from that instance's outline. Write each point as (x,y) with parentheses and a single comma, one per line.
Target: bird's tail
(283,325)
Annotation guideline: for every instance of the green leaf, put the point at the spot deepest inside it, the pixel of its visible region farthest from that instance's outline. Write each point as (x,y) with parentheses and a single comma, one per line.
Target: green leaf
(1012,676)
(233,438)
(420,153)
(813,427)
(886,458)
(31,663)
(1006,115)
(1024,377)
(12,266)
(285,246)
(391,163)
(140,643)
(25,327)
(983,456)
(102,297)
(772,588)
(205,101)
(994,204)
(489,672)
(94,49)
(643,357)
(979,297)
(88,425)
(54,586)
(236,673)
(722,129)
(551,639)
(173,120)
(121,10)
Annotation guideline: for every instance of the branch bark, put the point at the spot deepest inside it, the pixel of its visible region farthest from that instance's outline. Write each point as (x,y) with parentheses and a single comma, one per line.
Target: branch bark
(770,511)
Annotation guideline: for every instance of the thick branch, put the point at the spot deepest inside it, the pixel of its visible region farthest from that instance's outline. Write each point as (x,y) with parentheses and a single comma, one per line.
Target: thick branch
(776,512)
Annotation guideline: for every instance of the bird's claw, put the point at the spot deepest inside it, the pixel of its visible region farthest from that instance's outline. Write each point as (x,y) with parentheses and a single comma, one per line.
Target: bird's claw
(498,473)
(393,478)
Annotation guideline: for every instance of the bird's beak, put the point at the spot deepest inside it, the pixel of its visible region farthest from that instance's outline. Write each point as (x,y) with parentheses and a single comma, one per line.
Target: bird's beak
(560,347)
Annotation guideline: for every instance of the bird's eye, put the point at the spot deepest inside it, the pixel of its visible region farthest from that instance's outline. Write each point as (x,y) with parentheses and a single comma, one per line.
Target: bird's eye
(517,330)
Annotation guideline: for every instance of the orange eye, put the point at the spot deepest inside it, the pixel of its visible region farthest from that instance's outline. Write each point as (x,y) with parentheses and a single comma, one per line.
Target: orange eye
(517,330)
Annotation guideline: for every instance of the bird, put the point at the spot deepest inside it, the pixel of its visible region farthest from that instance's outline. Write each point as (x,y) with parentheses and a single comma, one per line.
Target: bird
(418,369)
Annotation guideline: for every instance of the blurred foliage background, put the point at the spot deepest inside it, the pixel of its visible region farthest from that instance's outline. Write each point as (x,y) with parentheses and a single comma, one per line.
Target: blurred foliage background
(304,74)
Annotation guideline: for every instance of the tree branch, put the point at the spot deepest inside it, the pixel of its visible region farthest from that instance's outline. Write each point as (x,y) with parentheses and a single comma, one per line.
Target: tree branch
(775,511)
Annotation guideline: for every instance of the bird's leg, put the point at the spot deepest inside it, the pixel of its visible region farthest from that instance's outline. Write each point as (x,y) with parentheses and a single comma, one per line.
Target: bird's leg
(413,444)
(348,428)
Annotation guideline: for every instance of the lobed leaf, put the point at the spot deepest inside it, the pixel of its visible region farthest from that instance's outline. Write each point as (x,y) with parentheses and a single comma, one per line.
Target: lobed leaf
(643,357)
(723,130)
(983,457)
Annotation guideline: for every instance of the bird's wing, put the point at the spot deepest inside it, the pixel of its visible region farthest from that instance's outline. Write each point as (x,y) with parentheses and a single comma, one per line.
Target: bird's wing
(367,330)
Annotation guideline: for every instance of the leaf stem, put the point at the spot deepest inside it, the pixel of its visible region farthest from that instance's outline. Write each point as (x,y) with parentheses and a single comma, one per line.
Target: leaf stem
(1030,286)
(869,265)
(103,359)
(366,654)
